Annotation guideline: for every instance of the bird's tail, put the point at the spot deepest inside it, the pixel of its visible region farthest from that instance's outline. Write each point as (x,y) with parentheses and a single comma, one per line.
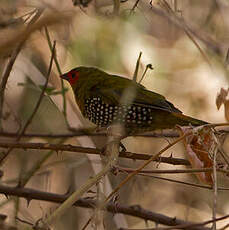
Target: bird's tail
(186,120)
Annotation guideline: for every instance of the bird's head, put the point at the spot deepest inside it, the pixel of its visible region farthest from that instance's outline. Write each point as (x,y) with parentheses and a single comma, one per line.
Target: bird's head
(72,76)
(80,75)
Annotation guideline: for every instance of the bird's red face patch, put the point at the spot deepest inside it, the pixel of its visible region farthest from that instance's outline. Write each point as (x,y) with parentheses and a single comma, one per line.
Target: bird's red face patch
(72,76)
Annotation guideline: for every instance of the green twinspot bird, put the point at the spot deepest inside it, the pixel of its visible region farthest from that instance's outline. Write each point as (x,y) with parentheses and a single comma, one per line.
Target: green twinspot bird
(101,98)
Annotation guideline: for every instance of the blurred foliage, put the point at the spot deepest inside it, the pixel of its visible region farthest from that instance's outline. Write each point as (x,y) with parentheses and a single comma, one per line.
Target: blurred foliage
(185,41)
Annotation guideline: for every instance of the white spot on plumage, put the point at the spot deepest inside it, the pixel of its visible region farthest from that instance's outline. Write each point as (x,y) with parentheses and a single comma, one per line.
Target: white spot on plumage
(104,114)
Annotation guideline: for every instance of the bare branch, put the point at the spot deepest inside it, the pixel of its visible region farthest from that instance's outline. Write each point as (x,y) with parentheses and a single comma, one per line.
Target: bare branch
(136,211)
(79,149)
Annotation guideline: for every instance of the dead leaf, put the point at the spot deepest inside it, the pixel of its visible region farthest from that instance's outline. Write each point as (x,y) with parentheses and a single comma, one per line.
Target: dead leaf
(199,148)
(223,98)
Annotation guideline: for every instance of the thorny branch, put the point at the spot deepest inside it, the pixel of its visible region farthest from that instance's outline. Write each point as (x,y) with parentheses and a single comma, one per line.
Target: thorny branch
(79,149)
(91,132)
(136,211)
(112,153)
(87,132)
(172,171)
(187,226)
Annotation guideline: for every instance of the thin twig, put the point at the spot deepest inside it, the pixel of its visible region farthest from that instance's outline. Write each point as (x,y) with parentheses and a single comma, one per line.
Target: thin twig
(87,223)
(11,63)
(149,66)
(171,171)
(188,33)
(220,150)
(4,155)
(145,164)
(224,227)
(209,42)
(188,226)
(215,186)
(224,156)
(214,192)
(42,92)
(23,221)
(227,58)
(59,71)
(183,182)
(112,153)
(29,15)
(134,6)
(137,68)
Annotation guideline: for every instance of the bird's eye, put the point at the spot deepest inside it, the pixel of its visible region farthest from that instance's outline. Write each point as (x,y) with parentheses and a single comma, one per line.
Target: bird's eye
(73,75)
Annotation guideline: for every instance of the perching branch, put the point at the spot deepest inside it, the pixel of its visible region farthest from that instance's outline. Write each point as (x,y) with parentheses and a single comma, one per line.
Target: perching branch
(79,149)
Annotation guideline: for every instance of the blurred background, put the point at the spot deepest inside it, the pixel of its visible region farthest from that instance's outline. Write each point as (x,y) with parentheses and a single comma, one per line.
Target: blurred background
(187,44)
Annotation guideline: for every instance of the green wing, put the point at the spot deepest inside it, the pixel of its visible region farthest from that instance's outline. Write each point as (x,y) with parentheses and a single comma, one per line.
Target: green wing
(112,91)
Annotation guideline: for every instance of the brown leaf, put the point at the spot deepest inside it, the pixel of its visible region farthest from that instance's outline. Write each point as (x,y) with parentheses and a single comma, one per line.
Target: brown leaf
(199,150)
(221,97)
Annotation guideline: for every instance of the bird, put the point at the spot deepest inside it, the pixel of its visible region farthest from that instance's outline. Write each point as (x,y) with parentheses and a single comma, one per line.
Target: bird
(105,99)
